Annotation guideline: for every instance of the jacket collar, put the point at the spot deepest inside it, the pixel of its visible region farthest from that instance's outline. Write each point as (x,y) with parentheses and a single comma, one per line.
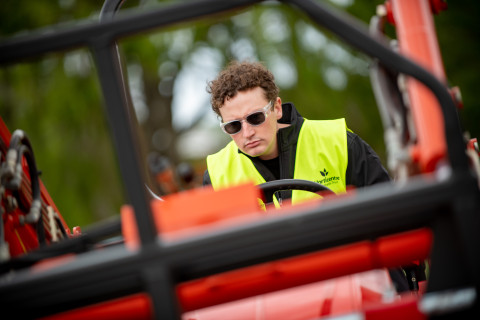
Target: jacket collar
(287,137)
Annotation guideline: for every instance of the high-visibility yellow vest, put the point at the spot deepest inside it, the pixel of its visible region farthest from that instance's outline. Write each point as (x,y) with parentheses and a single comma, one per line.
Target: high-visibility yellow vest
(321,156)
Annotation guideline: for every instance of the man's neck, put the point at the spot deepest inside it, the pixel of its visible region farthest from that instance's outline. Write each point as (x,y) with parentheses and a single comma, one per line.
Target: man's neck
(273,165)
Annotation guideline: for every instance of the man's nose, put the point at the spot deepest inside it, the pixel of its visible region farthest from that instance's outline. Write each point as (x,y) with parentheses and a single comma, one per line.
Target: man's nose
(247,129)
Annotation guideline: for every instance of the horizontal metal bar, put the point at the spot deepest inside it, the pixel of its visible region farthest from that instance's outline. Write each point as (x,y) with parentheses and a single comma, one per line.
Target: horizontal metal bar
(90,238)
(124,24)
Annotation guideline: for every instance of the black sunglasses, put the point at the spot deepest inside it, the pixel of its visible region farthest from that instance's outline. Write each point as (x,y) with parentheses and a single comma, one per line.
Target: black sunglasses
(255,119)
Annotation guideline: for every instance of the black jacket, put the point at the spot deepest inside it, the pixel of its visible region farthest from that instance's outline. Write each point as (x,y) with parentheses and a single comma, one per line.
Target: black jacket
(364,167)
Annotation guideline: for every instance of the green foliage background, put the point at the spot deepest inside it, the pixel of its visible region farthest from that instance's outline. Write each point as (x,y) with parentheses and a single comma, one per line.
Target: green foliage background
(57,100)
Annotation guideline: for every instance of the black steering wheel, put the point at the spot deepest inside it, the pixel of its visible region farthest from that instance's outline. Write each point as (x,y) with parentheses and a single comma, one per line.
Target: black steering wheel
(269,188)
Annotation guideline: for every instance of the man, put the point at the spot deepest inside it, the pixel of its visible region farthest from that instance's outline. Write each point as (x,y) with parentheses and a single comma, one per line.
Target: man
(273,141)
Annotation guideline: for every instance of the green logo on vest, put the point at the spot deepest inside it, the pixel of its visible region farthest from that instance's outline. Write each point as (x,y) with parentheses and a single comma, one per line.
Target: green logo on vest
(327,181)
(324,172)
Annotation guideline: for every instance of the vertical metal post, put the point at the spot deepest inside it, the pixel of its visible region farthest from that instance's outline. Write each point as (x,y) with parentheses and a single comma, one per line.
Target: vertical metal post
(161,287)
(125,137)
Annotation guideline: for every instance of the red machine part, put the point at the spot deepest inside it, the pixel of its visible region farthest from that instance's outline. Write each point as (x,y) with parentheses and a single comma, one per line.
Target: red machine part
(417,39)
(300,287)
(261,279)
(438,5)
(22,238)
(473,145)
(139,307)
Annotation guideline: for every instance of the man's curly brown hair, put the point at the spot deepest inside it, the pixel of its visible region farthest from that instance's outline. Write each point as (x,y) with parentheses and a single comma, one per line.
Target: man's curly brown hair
(241,76)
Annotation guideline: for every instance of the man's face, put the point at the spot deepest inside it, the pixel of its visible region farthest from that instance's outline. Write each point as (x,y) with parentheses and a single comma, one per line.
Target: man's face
(256,141)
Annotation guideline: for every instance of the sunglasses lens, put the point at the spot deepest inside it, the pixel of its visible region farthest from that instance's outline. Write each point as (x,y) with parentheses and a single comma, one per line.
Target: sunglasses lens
(233,127)
(256,118)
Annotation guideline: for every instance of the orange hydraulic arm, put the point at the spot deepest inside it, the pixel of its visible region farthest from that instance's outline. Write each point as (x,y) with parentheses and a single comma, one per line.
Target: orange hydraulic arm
(417,40)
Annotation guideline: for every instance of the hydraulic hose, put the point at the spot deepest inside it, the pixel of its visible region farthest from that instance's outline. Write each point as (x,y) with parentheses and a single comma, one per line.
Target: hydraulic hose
(20,148)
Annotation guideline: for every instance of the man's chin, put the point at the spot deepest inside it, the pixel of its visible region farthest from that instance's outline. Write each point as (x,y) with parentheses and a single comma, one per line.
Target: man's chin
(253,152)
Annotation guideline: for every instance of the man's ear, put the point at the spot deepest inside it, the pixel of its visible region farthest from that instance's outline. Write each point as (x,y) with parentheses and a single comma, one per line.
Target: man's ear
(278,108)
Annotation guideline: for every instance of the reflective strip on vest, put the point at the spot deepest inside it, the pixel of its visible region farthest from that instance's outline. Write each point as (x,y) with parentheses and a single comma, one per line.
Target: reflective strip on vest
(321,157)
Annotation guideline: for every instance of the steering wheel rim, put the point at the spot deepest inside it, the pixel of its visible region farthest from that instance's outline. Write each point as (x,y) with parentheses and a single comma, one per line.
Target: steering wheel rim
(270,187)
